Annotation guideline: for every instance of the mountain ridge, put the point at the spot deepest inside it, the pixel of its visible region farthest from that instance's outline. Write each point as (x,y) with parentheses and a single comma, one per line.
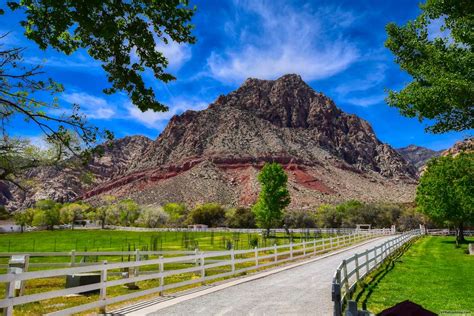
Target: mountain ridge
(215,154)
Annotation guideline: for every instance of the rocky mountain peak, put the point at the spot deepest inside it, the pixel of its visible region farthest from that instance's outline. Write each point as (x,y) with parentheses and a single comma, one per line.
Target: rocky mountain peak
(286,102)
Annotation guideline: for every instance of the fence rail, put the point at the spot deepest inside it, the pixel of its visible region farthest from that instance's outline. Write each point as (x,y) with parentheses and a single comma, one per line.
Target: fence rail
(355,268)
(237,261)
(237,230)
(448,232)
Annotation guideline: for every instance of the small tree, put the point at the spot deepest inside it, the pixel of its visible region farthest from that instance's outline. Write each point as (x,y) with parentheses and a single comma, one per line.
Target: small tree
(24,218)
(47,213)
(446,191)
(240,217)
(70,213)
(328,216)
(153,217)
(129,211)
(104,211)
(210,214)
(176,212)
(273,198)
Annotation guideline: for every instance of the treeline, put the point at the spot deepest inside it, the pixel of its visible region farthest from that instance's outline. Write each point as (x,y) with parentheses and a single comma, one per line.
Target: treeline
(111,211)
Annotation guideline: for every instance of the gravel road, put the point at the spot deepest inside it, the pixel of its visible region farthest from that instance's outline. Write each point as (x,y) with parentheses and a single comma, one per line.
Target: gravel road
(303,290)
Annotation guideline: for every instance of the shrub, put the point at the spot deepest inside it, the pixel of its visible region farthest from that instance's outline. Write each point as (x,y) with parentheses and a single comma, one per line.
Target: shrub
(152,217)
(177,213)
(299,219)
(240,217)
(46,214)
(211,214)
(129,211)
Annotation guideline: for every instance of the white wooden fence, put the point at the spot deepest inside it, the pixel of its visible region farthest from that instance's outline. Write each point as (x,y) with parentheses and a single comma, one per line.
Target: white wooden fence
(236,261)
(448,232)
(236,230)
(355,268)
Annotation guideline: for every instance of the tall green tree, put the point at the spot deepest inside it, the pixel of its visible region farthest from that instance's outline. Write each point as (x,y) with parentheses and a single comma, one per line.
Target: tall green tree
(122,35)
(446,191)
(273,198)
(440,61)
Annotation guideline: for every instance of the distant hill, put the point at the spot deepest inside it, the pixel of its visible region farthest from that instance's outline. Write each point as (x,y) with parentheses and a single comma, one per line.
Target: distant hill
(418,155)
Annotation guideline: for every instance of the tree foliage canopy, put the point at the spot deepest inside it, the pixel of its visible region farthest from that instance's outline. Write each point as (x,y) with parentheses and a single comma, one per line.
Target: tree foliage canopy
(440,63)
(274,196)
(123,35)
(446,191)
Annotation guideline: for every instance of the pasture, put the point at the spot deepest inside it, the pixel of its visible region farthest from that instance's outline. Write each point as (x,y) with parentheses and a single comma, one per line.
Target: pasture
(113,240)
(432,273)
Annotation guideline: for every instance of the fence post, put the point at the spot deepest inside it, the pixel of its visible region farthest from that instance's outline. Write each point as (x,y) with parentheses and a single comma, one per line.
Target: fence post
(357,266)
(232,258)
(275,252)
(291,250)
(314,246)
(367,265)
(162,278)
(346,281)
(256,257)
(203,270)
(103,287)
(304,248)
(9,293)
(137,258)
(330,243)
(196,257)
(73,258)
(336,297)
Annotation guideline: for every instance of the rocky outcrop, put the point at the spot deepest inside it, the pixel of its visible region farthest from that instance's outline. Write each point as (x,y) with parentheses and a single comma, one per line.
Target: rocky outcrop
(418,155)
(215,154)
(466,145)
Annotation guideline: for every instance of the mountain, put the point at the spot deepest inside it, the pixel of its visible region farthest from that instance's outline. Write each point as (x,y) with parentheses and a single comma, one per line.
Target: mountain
(215,154)
(418,155)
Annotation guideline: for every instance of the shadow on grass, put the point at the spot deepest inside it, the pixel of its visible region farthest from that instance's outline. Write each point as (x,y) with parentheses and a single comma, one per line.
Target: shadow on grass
(367,288)
(453,242)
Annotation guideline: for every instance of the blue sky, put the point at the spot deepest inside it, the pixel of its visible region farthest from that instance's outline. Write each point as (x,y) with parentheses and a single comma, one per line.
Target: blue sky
(336,46)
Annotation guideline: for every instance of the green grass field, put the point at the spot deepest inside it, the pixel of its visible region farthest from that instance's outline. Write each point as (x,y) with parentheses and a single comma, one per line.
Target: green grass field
(432,273)
(106,240)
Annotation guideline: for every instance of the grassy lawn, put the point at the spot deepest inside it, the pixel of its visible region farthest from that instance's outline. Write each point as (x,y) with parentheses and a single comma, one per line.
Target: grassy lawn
(432,273)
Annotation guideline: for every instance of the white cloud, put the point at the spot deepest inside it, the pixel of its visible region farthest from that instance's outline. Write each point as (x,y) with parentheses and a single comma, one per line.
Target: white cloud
(367,101)
(157,120)
(93,107)
(290,41)
(176,53)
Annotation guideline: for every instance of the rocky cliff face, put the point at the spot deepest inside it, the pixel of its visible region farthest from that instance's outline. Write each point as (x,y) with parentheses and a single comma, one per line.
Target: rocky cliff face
(418,155)
(215,154)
